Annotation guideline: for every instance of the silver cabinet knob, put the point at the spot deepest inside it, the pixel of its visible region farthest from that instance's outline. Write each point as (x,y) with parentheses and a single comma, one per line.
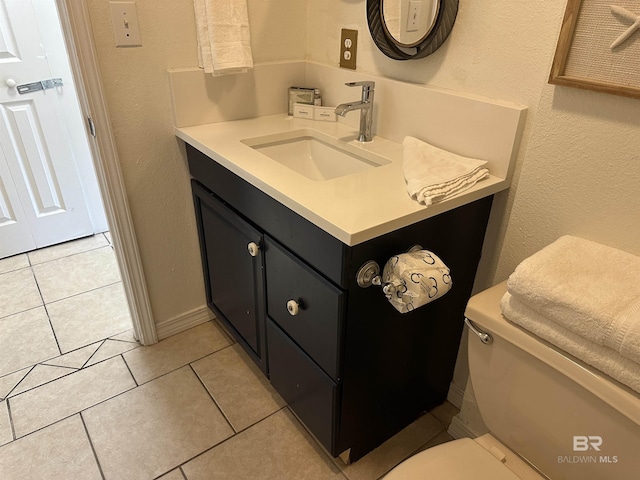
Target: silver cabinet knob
(292,307)
(10,82)
(254,249)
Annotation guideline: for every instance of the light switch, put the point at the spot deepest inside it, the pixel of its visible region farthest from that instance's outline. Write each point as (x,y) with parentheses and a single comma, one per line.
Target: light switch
(125,24)
(413,19)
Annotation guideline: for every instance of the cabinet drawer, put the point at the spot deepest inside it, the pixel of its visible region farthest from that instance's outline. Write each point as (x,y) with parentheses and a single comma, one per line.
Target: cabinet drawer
(310,393)
(317,325)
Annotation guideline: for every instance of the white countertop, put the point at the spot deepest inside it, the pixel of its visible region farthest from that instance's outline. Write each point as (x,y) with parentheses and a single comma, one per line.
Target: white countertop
(353,208)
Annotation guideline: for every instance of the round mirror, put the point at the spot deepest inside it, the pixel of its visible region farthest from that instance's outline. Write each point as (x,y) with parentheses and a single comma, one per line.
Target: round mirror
(409,29)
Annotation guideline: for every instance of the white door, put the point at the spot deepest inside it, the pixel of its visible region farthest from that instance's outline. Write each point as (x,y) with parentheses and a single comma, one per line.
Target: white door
(41,198)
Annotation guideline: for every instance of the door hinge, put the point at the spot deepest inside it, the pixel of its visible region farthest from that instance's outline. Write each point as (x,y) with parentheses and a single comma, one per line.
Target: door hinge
(92,127)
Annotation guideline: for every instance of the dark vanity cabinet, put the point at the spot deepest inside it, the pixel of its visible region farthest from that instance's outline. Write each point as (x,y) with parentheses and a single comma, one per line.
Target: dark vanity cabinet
(353,369)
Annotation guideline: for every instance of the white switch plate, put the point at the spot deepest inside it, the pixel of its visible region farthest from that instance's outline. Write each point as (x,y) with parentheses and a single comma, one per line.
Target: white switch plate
(125,24)
(413,19)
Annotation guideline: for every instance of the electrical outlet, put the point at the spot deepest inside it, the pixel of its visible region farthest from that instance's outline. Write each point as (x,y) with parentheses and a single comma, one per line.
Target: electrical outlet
(348,48)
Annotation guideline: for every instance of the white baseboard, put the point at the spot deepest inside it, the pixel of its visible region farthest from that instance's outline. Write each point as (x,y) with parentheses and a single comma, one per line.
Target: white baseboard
(183,322)
(456,394)
(458,429)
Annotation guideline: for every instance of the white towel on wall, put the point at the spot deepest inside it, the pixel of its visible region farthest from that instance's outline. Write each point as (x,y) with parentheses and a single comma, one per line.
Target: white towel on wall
(433,174)
(588,288)
(224,39)
(603,358)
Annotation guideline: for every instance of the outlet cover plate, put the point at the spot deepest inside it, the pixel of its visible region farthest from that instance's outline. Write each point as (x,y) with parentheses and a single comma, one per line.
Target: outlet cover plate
(348,48)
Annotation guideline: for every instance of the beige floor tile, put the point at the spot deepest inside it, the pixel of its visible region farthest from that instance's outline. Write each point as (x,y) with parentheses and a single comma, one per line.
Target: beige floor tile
(444,413)
(39,375)
(76,274)
(156,427)
(174,352)
(395,450)
(88,317)
(5,426)
(241,391)
(442,437)
(173,475)
(18,292)
(8,382)
(61,398)
(75,359)
(16,262)
(110,348)
(125,336)
(59,452)
(26,338)
(65,249)
(276,448)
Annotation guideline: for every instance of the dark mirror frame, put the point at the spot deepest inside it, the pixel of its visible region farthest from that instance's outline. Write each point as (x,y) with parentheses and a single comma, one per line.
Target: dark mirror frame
(429,44)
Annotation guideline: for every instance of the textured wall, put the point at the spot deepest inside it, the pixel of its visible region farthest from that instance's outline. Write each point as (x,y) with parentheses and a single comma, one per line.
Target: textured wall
(577,171)
(155,172)
(578,167)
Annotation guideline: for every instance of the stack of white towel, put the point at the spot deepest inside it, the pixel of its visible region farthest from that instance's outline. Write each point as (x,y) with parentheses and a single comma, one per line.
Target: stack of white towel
(583,297)
(224,39)
(434,175)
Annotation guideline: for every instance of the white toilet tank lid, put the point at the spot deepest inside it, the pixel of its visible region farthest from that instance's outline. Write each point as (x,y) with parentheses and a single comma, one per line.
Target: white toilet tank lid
(461,459)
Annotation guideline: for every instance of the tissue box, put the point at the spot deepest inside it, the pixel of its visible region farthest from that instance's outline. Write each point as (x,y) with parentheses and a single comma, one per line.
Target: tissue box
(313,112)
(303,111)
(300,95)
(324,114)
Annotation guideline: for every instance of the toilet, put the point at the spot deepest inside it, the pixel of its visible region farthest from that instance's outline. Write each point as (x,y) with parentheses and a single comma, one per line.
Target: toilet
(549,414)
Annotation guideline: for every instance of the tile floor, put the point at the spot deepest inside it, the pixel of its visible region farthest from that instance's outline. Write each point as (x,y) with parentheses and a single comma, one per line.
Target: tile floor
(75,406)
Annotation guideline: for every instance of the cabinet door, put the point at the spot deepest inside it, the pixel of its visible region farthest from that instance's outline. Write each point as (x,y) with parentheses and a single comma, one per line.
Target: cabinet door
(234,273)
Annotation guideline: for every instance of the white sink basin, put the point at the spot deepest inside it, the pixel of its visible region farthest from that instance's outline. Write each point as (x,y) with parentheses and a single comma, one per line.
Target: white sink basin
(315,155)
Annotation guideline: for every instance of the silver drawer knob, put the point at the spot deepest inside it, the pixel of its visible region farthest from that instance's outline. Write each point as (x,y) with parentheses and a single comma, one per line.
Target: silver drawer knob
(254,249)
(292,307)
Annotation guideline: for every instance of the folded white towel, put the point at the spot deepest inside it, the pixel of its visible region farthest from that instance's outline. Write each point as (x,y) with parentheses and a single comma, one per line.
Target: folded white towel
(588,288)
(604,359)
(434,175)
(224,40)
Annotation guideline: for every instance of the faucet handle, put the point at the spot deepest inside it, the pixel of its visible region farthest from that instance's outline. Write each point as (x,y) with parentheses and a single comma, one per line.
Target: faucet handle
(369,85)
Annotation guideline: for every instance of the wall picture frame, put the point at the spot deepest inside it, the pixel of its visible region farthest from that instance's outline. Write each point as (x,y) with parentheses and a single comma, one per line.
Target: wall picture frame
(598,47)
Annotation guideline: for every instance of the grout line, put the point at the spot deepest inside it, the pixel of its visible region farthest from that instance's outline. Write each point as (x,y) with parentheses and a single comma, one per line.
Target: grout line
(81,293)
(21,380)
(95,454)
(213,399)
(183,365)
(53,331)
(80,411)
(182,472)
(225,440)
(13,428)
(129,368)
(93,354)
(70,254)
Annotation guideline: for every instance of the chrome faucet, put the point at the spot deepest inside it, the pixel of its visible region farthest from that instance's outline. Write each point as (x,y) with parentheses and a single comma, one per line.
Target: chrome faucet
(365,105)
